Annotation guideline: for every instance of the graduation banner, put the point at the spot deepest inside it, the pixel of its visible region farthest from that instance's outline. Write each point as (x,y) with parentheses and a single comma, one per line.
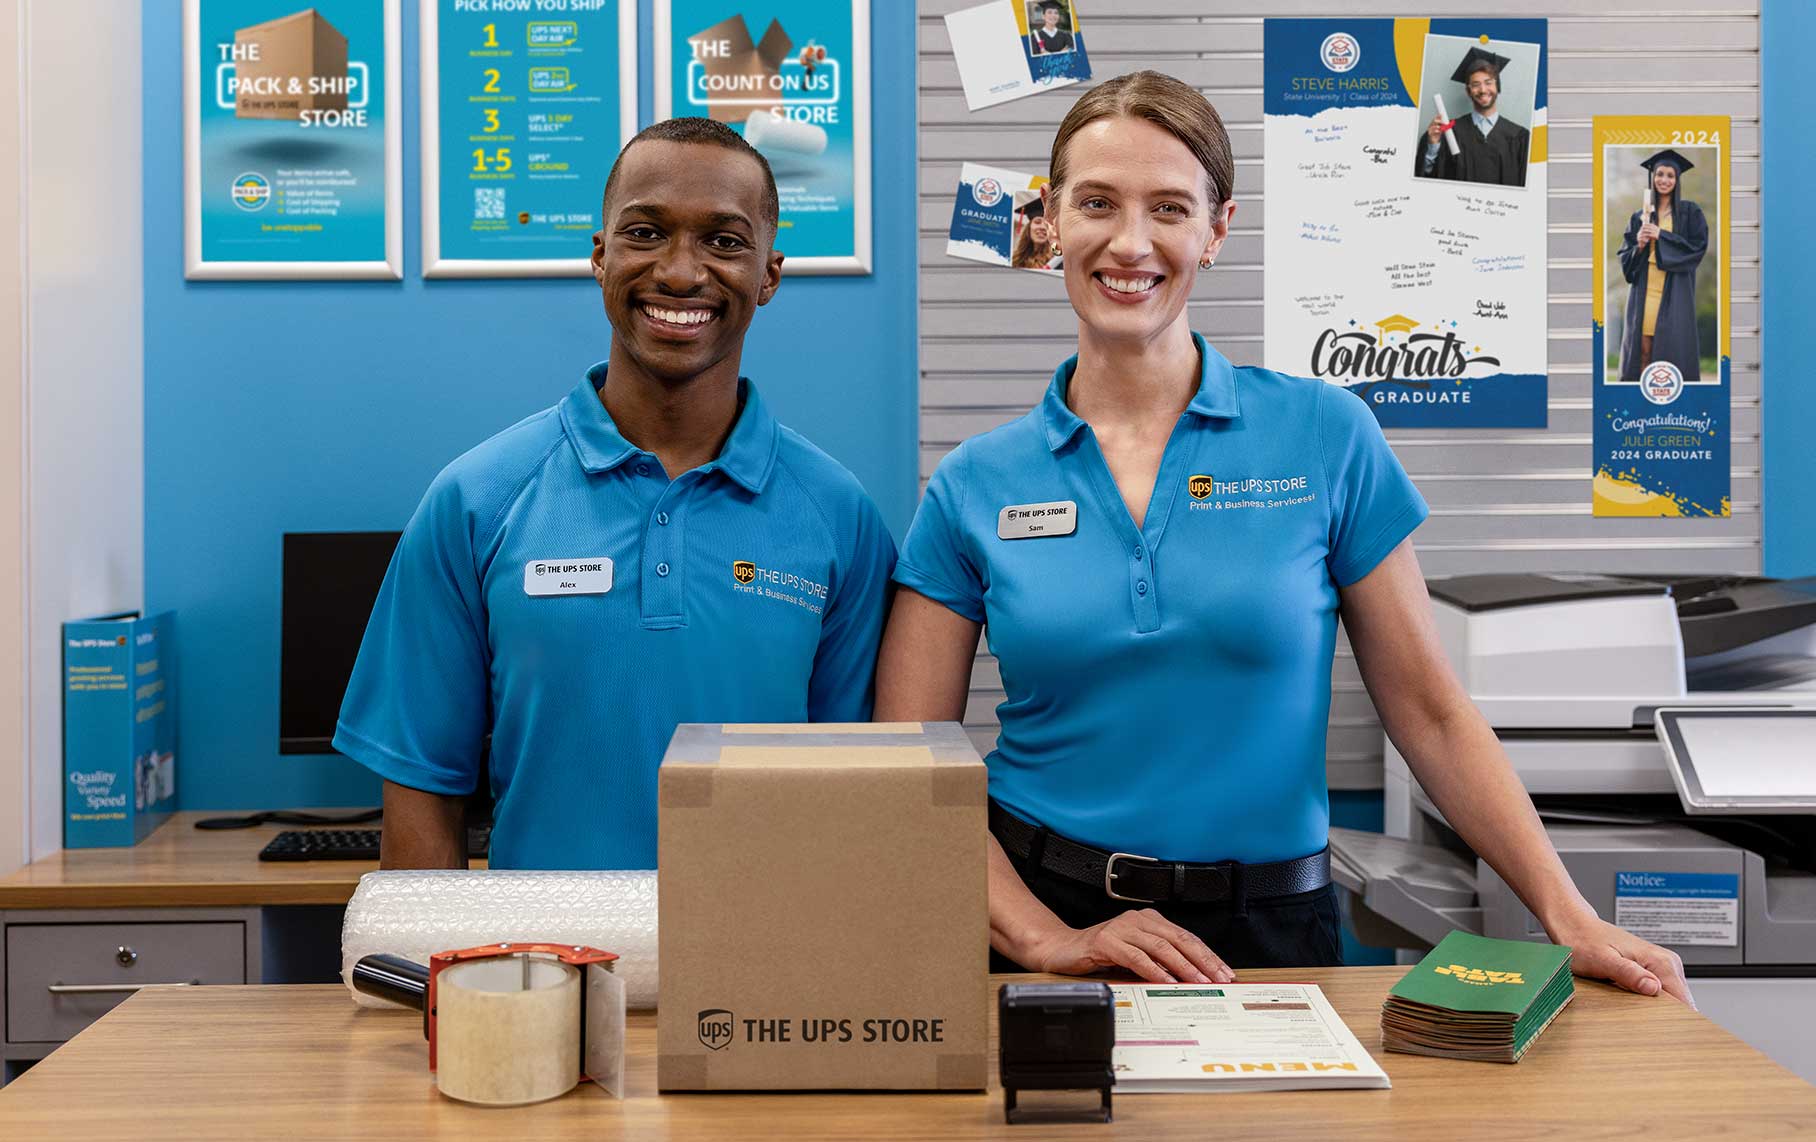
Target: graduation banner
(524,109)
(292,137)
(1405,235)
(793,76)
(1661,315)
(998,218)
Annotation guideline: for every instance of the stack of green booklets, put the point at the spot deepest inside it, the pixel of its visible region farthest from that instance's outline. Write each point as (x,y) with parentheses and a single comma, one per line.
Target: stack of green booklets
(1476,998)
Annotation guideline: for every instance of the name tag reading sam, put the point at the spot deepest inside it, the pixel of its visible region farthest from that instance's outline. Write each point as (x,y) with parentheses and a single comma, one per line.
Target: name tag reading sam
(1037,521)
(590,575)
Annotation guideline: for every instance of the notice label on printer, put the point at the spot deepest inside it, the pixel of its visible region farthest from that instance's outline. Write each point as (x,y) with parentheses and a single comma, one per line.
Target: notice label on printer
(1689,909)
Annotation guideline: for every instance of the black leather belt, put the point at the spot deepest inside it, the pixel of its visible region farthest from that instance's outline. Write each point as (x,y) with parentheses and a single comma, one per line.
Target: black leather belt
(1144,880)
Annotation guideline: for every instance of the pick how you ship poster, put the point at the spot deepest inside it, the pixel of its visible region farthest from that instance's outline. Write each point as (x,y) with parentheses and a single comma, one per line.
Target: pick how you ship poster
(793,77)
(1405,232)
(292,137)
(1661,315)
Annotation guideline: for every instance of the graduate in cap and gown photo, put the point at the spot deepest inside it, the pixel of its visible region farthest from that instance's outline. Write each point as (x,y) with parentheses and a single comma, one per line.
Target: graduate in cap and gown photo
(1664,243)
(1491,148)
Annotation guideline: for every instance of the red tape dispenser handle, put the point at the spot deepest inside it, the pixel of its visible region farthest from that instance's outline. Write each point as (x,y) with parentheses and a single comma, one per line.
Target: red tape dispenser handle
(573,954)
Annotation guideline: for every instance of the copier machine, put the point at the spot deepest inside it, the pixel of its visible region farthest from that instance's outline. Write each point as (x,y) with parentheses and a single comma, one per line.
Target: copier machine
(1666,730)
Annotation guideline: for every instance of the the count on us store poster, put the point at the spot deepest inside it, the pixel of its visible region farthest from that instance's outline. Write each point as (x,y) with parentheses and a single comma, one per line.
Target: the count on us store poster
(1405,245)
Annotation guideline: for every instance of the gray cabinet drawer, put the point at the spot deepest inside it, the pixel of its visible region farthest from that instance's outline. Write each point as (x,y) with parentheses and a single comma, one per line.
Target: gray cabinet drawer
(40,956)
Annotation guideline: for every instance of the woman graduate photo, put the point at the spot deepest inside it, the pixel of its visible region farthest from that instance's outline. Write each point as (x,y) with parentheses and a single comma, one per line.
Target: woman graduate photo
(1033,249)
(1160,551)
(1664,243)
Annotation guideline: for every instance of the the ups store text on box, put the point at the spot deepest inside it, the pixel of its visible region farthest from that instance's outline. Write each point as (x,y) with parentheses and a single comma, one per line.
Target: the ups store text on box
(822,910)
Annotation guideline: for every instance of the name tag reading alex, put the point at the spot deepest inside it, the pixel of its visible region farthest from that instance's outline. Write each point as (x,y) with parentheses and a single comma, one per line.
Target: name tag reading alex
(1037,521)
(589,575)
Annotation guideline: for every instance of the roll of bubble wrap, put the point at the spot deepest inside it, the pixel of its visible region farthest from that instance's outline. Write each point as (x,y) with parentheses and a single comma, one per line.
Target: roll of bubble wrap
(417,912)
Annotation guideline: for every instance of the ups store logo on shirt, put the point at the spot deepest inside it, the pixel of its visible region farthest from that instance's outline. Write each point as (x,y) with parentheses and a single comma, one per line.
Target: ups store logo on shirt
(1200,486)
(743,570)
(1479,976)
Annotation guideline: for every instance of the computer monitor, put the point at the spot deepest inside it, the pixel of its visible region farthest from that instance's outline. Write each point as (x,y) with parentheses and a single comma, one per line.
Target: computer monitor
(331,580)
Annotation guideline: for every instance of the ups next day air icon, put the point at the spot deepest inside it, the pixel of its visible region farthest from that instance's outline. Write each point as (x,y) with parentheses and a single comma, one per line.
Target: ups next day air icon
(1199,486)
(743,570)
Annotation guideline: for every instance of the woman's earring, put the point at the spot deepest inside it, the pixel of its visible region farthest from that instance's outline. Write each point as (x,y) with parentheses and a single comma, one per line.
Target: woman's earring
(1206,263)
(1056,248)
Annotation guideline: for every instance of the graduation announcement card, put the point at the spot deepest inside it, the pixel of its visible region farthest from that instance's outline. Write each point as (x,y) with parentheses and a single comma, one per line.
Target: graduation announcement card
(1008,49)
(1405,228)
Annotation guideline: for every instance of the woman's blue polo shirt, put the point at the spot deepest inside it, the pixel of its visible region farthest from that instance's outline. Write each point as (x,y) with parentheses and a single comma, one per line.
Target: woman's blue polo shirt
(556,589)
(1167,687)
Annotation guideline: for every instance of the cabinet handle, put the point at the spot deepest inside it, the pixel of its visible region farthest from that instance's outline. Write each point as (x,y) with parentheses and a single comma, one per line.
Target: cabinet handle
(105,988)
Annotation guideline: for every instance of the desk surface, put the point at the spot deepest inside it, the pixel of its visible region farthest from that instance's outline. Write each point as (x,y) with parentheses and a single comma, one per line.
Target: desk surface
(249,1062)
(180,866)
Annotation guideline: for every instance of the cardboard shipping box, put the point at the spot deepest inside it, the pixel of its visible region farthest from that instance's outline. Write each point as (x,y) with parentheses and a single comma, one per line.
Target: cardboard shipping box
(822,914)
(734,74)
(292,51)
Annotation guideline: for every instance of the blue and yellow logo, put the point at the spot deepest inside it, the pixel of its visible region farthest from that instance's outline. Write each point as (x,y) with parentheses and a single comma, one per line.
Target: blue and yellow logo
(251,191)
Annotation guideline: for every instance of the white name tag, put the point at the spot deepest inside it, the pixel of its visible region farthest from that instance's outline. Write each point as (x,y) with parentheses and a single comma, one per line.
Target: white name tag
(1037,521)
(589,575)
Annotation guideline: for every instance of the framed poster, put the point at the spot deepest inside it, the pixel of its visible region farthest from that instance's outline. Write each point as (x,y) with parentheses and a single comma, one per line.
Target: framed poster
(1406,215)
(524,110)
(1660,315)
(794,77)
(292,139)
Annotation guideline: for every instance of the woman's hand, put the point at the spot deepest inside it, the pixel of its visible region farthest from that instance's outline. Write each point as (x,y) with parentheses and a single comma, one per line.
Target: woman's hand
(1144,942)
(1648,231)
(1599,950)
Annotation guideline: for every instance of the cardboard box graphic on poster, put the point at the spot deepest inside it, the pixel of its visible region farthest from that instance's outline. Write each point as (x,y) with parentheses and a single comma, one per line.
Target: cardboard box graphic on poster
(524,111)
(793,77)
(292,139)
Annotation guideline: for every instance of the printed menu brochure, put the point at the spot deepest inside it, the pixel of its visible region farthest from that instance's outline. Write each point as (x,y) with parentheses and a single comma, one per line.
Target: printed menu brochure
(1181,1038)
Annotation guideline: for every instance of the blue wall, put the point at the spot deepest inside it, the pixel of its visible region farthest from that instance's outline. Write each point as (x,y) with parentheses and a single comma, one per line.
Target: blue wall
(1789,361)
(274,407)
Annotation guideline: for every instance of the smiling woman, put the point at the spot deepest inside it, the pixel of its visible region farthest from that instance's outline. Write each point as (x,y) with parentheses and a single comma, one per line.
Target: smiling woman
(1159,800)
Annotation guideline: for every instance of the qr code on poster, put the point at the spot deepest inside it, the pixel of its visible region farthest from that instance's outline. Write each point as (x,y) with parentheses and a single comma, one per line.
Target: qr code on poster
(488,202)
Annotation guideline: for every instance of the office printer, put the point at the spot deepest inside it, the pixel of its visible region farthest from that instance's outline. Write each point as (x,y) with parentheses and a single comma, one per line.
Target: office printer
(1666,730)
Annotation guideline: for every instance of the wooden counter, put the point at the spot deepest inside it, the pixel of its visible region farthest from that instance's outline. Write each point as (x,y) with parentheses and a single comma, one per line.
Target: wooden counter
(270,1062)
(180,866)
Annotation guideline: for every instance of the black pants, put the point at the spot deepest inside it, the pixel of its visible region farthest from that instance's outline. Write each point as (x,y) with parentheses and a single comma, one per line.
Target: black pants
(1302,930)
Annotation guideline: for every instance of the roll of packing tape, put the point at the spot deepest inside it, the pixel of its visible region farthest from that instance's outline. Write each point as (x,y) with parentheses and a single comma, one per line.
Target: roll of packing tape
(768,131)
(509,1030)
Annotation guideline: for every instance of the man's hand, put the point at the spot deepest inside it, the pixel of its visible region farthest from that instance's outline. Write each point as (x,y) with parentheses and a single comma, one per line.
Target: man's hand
(1599,950)
(1434,131)
(1144,942)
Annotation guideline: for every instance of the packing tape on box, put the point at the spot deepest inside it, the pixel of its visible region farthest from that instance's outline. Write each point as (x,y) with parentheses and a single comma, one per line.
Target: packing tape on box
(418,912)
(697,750)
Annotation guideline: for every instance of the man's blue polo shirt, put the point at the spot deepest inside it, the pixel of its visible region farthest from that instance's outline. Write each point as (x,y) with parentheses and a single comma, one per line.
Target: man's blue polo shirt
(556,589)
(1167,686)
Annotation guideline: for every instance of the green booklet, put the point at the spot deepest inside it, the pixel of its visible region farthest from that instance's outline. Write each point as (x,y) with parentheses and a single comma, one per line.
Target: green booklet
(1477,998)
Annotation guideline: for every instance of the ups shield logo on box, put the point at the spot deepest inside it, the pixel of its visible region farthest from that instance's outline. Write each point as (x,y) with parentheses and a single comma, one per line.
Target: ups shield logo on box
(715,1022)
(743,571)
(1199,486)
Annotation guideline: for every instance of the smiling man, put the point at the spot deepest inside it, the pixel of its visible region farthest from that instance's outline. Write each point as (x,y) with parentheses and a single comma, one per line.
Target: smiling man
(653,550)
(1491,148)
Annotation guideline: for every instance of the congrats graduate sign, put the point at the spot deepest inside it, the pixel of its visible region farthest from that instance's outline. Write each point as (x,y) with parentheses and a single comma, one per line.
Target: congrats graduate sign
(793,76)
(1405,236)
(1660,309)
(292,132)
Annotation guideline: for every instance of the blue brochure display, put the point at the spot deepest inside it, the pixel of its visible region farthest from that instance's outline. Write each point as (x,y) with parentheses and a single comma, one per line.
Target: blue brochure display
(119,729)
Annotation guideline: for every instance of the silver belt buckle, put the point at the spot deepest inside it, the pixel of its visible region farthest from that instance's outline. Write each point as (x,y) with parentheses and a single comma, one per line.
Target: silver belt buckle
(1109,874)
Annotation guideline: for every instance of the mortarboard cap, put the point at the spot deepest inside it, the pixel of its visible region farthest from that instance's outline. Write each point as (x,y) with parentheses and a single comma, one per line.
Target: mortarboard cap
(1475,61)
(1669,157)
(1033,208)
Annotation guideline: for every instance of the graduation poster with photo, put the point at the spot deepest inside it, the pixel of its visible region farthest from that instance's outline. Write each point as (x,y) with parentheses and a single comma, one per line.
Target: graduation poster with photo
(792,76)
(1405,231)
(292,139)
(1661,316)
(999,218)
(524,110)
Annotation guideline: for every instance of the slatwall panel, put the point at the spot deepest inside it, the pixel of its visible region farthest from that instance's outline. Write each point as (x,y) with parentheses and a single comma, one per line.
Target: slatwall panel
(1502,499)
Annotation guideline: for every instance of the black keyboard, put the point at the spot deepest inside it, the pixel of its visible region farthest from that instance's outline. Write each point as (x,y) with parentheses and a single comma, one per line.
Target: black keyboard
(350,844)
